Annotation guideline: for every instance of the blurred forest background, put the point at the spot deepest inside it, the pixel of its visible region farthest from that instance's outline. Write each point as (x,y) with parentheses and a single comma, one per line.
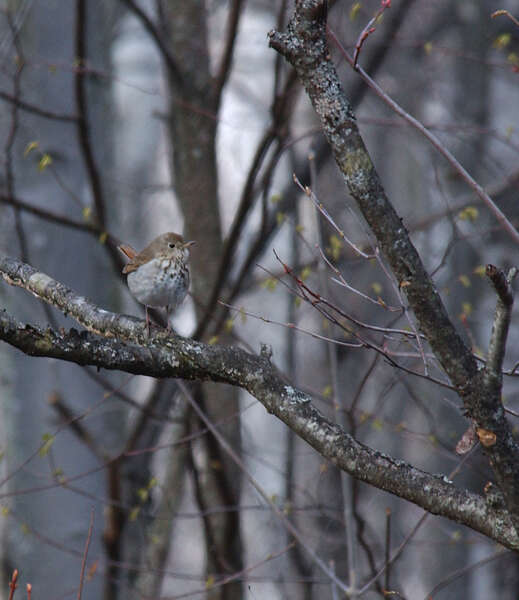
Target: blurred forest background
(123,119)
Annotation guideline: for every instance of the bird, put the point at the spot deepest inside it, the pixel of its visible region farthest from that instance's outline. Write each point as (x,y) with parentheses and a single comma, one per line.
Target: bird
(159,275)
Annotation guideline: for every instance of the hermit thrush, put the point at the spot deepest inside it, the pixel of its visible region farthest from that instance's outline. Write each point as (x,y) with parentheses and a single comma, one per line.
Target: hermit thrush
(159,274)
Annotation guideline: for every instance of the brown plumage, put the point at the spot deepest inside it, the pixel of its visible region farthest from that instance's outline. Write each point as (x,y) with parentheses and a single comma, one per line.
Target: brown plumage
(159,274)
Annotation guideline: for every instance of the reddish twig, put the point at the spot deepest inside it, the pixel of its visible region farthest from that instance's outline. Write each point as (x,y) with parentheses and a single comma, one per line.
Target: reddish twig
(498,13)
(368,30)
(12,584)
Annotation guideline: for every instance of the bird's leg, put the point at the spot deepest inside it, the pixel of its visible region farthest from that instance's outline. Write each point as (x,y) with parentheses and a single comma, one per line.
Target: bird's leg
(168,329)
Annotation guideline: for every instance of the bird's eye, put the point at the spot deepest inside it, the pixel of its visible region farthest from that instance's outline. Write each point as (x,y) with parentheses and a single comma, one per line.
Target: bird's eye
(171,245)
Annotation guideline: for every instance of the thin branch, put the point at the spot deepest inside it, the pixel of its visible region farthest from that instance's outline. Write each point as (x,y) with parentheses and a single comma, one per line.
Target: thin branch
(369,29)
(153,30)
(500,554)
(82,110)
(230,39)
(322,151)
(462,172)
(33,108)
(266,498)
(85,555)
(50,216)
(279,109)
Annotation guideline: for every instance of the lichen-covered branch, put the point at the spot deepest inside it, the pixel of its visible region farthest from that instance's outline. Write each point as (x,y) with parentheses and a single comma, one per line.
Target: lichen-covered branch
(165,356)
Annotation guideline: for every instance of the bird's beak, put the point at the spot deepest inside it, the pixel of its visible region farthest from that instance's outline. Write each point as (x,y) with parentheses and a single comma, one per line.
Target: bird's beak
(187,244)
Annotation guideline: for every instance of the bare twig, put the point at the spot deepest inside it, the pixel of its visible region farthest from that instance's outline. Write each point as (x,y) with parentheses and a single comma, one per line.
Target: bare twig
(463,173)
(85,555)
(12,584)
(498,13)
(230,39)
(368,30)
(153,30)
(82,110)
(33,108)
(266,498)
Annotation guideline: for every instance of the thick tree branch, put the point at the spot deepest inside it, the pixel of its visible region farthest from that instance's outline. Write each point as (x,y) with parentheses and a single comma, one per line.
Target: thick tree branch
(165,356)
(305,46)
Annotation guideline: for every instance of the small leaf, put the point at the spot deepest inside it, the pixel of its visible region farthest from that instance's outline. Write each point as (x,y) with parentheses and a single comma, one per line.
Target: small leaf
(228,325)
(30,147)
(269,284)
(87,211)
(143,494)
(456,536)
(280,217)
(327,392)
(428,46)
(377,288)
(502,41)
(44,162)
(377,424)
(469,213)
(212,341)
(464,280)
(466,308)
(48,440)
(5,511)
(305,273)
(134,513)
(209,582)
(276,198)
(354,10)
(103,237)
(513,59)
(480,270)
